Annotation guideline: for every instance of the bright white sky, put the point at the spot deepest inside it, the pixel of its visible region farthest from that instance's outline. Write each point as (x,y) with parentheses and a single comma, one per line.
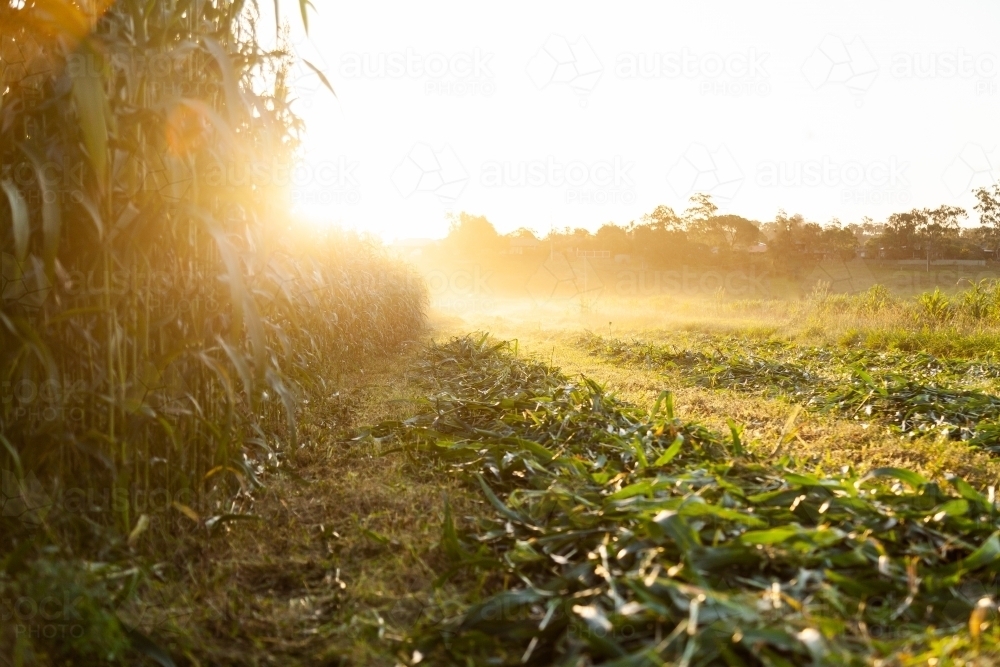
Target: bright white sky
(838,109)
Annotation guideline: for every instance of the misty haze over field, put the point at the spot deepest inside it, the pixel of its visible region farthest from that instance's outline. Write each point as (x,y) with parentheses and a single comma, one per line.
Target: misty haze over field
(570,114)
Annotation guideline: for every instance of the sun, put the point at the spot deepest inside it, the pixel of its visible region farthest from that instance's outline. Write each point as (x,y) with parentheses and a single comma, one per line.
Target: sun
(324,187)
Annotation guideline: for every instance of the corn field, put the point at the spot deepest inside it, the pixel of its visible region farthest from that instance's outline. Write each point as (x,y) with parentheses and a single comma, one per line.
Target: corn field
(158,320)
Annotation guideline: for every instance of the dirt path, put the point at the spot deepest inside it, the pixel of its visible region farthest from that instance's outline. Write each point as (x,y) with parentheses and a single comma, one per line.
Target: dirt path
(343,558)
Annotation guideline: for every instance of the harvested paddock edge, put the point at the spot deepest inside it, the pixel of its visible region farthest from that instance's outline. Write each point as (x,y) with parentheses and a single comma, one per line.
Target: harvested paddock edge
(619,536)
(913,393)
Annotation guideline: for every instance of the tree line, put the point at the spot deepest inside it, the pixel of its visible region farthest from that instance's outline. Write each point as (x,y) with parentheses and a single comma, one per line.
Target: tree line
(701,234)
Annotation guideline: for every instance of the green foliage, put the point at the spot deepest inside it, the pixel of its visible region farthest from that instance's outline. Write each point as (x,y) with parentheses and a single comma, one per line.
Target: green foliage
(979,304)
(914,393)
(728,232)
(935,306)
(56,612)
(981,301)
(164,336)
(160,314)
(621,538)
(875,299)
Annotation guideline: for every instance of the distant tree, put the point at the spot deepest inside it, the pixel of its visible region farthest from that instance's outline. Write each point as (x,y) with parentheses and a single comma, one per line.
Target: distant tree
(938,225)
(783,238)
(523,233)
(661,247)
(730,231)
(472,236)
(614,238)
(840,241)
(982,237)
(922,230)
(899,238)
(700,210)
(703,224)
(523,236)
(866,234)
(988,207)
(582,238)
(869,226)
(808,238)
(663,218)
(659,238)
(570,238)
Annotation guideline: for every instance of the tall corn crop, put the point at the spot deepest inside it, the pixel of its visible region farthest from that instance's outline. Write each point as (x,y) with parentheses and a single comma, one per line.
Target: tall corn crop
(156,325)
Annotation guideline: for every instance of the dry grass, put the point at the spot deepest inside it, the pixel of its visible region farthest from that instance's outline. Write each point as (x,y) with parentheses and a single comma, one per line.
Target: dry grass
(343,559)
(822,441)
(559,460)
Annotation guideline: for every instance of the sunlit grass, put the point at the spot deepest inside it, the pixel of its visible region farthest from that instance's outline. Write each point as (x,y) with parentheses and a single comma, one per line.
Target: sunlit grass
(624,536)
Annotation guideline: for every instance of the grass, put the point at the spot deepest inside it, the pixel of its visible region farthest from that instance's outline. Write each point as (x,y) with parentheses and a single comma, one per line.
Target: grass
(186,380)
(915,393)
(361,566)
(342,560)
(619,536)
(822,437)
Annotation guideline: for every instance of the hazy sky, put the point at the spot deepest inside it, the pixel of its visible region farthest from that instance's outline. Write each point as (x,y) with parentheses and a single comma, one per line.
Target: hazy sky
(578,113)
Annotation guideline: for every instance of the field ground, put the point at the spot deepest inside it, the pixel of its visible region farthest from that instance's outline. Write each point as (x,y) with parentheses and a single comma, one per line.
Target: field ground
(348,553)
(829,440)
(463,284)
(340,559)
